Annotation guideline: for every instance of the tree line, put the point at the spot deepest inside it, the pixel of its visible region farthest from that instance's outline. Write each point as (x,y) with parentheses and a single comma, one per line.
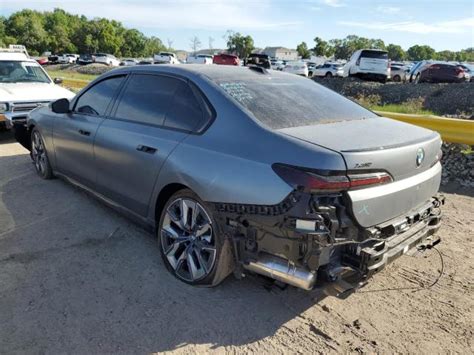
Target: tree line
(60,32)
(343,49)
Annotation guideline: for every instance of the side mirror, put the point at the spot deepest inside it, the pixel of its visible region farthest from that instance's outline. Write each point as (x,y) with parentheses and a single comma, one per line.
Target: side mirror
(60,106)
(58,80)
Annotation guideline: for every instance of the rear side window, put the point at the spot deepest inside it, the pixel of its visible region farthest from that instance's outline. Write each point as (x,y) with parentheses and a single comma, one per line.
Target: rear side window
(374,54)
(97,98)
(163,101)
(185,113)
(147,98)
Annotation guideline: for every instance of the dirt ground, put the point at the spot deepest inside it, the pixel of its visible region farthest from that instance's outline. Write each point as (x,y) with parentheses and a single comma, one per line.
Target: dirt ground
(75,277)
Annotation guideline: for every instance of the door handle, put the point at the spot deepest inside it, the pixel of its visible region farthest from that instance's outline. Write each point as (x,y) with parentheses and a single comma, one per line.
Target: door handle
(146,149)
(84,133)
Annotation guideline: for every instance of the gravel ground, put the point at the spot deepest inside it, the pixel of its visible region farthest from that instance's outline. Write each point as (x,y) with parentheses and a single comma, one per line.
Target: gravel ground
(91,69)
(443,99)
(78,278)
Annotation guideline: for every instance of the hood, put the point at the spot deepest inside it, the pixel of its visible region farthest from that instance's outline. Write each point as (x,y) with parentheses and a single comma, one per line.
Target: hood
(32,92)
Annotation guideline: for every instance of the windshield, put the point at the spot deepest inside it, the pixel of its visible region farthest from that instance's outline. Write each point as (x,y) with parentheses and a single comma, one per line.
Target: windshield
(18,71)
(283,101)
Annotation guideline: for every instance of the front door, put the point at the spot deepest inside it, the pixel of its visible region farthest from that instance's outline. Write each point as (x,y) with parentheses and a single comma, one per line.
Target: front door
(152,116)
(74,133)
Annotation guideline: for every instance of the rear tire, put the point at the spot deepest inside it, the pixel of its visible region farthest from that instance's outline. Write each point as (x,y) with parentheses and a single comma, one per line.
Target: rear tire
(192,246)
(40,156)
(328,74)
(397,78)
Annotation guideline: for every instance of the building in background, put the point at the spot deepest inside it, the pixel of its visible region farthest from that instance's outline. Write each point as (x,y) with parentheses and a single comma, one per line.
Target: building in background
(281,53)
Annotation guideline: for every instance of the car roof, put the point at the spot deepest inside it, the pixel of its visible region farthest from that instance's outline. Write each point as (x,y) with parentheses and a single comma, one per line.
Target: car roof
(17,56)
(212,72)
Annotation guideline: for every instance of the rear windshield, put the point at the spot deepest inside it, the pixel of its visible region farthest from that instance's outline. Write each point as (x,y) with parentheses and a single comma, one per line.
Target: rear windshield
(374,54)
(284,101)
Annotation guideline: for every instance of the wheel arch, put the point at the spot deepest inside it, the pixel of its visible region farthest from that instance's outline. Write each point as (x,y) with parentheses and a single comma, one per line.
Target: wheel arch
(164,195)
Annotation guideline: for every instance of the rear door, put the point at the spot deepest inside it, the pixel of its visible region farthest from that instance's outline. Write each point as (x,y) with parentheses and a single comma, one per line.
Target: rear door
(74,133)
(152,116)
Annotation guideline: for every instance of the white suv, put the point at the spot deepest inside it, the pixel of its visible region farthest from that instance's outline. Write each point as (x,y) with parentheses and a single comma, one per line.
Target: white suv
(24,85)
(368,63)
(107,59)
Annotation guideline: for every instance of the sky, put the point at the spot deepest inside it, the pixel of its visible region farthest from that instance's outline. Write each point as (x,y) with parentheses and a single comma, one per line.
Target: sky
(439,24)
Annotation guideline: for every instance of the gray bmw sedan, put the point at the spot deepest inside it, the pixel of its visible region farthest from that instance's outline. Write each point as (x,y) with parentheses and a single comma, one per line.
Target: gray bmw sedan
(243,169)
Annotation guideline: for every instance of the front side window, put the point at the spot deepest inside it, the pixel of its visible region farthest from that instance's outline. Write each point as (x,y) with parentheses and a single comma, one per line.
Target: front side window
(97,98)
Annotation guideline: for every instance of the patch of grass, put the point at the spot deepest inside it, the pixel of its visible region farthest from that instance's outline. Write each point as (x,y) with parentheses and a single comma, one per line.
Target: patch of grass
(72,80)
(412,106)
(70,75)
(401,108)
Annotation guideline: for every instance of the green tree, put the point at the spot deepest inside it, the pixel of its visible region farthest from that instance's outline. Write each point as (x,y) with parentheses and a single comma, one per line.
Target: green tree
(153,45)
(239,44)
(133,42)
(417,52)
(27,27)
(395,52)
(446,55)
(303,50)
(321,47)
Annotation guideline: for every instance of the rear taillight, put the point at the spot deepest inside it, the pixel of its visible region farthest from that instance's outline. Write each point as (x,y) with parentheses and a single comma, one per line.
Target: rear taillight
(358,62)
(328,181)
(368,179)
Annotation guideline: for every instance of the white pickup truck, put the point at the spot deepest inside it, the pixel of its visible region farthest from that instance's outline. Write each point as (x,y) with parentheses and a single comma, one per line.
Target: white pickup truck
(166,58)
(24,85)
(199,59)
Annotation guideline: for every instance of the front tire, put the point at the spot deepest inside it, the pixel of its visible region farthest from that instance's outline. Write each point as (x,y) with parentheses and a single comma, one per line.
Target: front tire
(191,243)
(328,74)
(40,156)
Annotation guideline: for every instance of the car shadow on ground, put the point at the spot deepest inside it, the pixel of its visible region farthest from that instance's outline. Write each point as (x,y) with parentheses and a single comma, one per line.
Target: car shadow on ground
(6,137)
(78,277)
(456,188)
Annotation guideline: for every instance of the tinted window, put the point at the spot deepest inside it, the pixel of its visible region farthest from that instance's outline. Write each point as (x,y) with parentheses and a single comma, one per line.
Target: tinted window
(186,111)
(96,99)
(374,54)
(282,101)
(147,98)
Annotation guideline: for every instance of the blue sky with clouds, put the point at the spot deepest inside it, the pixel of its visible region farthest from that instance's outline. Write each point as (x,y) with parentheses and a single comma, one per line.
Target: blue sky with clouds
(440,24)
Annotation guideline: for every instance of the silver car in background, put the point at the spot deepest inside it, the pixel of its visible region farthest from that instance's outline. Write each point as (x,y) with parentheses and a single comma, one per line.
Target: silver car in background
(246,170)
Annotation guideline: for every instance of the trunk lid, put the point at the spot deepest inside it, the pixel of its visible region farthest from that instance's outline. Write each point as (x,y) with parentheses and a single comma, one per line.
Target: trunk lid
(382,144)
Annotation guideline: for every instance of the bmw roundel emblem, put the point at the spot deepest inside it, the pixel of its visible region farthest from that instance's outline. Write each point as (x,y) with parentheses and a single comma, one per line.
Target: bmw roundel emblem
(420,156)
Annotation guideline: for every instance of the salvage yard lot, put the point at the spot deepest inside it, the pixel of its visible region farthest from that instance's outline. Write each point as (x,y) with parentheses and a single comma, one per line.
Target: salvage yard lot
(77,277)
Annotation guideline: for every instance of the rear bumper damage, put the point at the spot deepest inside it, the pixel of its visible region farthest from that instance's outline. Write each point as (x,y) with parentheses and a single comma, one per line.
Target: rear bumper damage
(307,238)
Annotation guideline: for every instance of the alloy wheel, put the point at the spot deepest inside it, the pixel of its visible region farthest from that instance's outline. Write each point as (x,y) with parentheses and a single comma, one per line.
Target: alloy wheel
(187,239)
(38,153)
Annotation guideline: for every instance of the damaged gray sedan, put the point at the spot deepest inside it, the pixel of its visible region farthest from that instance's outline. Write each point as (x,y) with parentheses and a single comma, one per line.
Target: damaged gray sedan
(240,169)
